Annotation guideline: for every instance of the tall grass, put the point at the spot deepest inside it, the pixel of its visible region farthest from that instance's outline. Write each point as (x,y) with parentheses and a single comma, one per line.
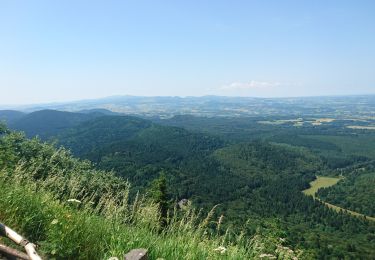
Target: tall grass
(76,212)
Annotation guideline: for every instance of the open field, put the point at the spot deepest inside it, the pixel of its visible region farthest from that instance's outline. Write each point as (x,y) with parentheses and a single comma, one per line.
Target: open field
(320,121)
(281,121)
(298,121)
(320,182)
(361,127)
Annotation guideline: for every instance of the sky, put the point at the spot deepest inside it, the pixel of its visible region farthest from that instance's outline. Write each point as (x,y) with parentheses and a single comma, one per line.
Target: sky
(53,51)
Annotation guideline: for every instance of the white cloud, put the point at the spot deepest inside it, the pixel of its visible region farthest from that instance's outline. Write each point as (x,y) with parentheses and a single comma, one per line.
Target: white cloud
(253,84)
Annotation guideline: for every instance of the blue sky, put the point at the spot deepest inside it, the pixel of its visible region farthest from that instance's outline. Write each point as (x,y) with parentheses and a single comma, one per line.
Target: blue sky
(67,50)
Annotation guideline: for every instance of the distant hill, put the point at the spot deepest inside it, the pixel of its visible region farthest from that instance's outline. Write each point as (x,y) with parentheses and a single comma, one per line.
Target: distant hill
(98,111)
(48,123)
(10,116)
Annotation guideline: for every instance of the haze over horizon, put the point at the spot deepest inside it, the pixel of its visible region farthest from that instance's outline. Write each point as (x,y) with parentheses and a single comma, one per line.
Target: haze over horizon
(75,101)
(64,51)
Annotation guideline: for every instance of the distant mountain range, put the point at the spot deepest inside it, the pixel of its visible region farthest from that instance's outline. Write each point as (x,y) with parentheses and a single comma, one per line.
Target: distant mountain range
(164,107)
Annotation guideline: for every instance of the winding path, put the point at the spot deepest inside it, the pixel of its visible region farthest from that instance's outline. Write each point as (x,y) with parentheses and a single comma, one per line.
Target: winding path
(325,182)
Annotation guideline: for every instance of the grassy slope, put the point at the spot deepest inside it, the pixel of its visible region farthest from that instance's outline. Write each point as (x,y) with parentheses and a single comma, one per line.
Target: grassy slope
(63,232)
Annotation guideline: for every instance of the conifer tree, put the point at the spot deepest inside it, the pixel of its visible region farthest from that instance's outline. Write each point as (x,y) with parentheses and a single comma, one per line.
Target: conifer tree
(159,194)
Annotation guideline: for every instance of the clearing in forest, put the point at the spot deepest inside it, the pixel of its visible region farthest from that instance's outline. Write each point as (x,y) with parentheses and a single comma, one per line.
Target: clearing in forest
(320,182)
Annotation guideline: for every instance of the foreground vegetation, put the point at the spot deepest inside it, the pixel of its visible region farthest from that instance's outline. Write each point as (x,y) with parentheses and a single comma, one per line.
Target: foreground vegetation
(76,212)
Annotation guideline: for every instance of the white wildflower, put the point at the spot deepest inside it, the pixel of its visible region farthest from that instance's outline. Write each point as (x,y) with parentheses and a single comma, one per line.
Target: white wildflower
(220,249)
(74,200)
(269,256)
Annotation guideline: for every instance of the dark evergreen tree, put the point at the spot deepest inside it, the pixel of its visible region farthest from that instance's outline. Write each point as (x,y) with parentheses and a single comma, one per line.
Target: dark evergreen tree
(159,195)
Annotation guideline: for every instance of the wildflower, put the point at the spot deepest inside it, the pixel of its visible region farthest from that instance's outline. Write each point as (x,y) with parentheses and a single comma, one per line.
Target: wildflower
(220,249)
(74,200)
(219,222)
(269,256)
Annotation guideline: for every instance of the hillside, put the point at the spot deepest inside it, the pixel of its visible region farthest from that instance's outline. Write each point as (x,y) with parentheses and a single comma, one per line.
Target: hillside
(10,116)
(137,150)
(48,123)
(76,212)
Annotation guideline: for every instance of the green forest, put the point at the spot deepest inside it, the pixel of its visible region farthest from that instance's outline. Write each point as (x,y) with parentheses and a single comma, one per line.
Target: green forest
(243,181)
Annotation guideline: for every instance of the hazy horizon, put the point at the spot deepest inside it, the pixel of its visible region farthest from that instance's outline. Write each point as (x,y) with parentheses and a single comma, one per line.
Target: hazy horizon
(66,51)
(16,105)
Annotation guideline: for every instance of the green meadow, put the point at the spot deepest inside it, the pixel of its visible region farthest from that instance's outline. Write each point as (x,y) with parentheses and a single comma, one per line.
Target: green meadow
(320,182)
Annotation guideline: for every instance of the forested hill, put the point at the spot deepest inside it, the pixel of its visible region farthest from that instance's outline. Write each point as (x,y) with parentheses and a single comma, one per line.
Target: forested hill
(10,116)
(47,123)
(138,150)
